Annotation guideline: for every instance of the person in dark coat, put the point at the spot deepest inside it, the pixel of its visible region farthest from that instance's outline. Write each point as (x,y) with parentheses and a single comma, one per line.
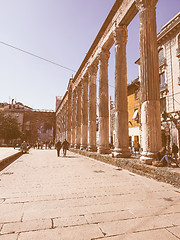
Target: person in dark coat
(164,157)
(175,152)
(58,147)
(65,146)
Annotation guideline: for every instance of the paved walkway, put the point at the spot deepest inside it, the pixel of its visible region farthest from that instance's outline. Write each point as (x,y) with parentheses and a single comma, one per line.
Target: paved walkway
(77,198)
(7,151)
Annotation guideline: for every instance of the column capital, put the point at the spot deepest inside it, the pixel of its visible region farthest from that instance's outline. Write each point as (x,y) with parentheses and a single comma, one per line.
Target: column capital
(70,90)
(74,92)
(92,69)
(120,34)
(145,4)
(104,55)
(78,88)
(85,80)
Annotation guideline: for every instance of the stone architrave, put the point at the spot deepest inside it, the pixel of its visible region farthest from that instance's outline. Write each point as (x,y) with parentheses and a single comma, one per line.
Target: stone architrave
(103,102)
(73,118)
(69,114)
(121,105)
(78,117)
(150,88)
(92,108)
(84,114)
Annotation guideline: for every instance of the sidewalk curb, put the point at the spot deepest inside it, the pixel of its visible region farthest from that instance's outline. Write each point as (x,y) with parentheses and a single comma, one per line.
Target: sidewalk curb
(163,174)
(8,160)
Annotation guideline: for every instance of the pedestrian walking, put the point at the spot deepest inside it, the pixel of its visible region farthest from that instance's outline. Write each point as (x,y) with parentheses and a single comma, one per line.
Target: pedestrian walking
(65,146)
(58,147)
(175,152)
(24,147)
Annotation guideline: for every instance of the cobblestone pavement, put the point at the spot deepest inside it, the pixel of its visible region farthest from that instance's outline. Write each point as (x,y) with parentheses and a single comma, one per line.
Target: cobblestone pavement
(75,197)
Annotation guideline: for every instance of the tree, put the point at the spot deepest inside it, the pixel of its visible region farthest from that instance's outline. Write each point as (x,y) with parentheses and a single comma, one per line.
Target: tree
(8,127)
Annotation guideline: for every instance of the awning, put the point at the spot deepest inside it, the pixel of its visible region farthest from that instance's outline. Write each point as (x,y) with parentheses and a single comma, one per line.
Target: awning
(136,115)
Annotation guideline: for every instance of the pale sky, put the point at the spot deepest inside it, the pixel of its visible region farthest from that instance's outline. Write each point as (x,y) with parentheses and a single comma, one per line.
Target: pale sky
(61,31)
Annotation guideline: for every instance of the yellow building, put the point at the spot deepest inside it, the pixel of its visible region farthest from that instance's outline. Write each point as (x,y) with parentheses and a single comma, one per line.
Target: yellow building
(133,114)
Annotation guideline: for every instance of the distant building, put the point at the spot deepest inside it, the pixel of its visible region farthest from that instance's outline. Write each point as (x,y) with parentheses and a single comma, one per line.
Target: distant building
(35,125)
(169,70)
(168,40)
(134,113)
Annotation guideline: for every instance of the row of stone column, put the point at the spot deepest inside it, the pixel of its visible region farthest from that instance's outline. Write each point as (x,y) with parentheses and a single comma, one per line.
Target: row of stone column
(81,105)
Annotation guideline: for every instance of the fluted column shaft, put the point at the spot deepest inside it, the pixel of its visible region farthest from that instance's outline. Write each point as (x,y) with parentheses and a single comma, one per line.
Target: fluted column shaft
(92,108)
(73,119)
(61,126)
(78,118)
(84,114)
(69,115)
(150,89)
(103,102)
(66,120)
(121,106)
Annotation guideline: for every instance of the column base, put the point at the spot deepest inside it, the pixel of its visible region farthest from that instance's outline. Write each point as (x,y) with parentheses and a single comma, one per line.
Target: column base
(104,150)
(120,153)
(72,145)
(147,157)
(76,146)
(83,147)
(92,149)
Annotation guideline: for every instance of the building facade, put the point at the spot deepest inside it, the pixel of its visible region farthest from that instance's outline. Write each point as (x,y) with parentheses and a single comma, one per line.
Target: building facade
(169,72)
(134,115)
(35,125)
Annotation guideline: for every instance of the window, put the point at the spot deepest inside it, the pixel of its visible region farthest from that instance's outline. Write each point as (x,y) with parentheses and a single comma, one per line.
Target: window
(163,105)
(162,81)
(162,78)
(161,56)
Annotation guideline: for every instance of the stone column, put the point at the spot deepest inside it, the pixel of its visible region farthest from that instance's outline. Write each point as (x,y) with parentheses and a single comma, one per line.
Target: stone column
(69,115)
(73,119)
(121,106)
(60,126)
(150,93)
(64,123)
(103,102)
(92,108)
(84,114)
(66,120)
(78,118)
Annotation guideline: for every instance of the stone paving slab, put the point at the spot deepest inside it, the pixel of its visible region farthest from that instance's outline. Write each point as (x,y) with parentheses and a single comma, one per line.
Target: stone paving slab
(74,197)
(9,237)
(147,235)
